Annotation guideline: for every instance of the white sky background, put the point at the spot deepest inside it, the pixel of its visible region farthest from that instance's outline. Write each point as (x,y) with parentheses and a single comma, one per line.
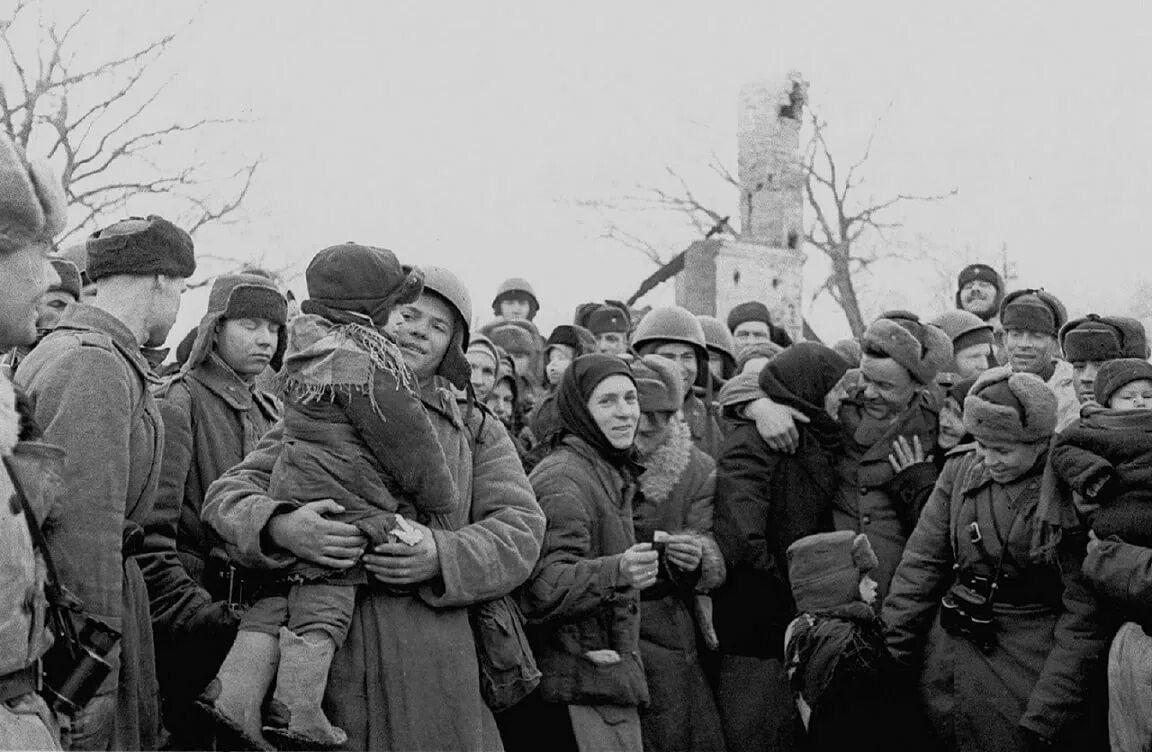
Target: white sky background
(462,134)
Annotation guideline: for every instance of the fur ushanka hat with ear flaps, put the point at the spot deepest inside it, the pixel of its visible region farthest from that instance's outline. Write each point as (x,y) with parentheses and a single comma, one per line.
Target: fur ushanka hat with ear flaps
(1011,408)
(141,247)
(825,569)
(923,349)
(32,203)
(240,296)
(1117,373)
(1100,338)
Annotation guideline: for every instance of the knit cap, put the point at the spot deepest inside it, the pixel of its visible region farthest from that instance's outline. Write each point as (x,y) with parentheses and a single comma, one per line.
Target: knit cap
(1033,311)
(753,310)
(140,246)
(69,277)
(825,569)
(349,281)
(1117,373)
(1009,407)
(923,349)
(1101,338)
(658,384)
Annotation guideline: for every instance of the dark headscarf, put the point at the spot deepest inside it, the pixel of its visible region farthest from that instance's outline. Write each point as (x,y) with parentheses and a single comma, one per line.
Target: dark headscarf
(801,377)
(580,380)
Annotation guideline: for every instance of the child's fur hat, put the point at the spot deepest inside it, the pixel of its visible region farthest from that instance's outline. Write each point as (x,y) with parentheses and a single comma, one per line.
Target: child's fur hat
(1010,407)
(923,349)
(825,569)
(1117,373)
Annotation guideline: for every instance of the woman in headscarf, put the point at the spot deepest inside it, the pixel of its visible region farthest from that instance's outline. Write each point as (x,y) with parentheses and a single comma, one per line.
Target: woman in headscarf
(582,601)
(766,500)
(674,511)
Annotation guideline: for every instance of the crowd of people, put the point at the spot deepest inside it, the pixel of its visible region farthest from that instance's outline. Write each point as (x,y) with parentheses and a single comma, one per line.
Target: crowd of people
(359,523)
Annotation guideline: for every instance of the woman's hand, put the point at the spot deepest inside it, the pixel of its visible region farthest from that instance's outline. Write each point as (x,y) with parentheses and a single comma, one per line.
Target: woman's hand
(776,424)
(905,454)
(685,551)
(639,565)
(307,534)
(401,564)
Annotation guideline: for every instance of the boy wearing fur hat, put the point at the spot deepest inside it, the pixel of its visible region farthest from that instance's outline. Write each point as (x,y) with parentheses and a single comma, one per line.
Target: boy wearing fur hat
(214,414)
(361,444)
(988,609)
(1106,456)
(834,650)
(1032,321)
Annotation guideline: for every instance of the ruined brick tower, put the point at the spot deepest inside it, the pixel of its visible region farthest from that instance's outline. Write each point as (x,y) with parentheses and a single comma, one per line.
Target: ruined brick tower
(766,262)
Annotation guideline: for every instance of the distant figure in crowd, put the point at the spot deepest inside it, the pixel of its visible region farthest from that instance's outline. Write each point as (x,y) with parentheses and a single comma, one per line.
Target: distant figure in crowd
(674,333)
(484,361)
(973,346)
(1032,321)
(751,322)
(980,291)
(515,299)
(566,343)
(721,350)
(610,323)
(1090,342)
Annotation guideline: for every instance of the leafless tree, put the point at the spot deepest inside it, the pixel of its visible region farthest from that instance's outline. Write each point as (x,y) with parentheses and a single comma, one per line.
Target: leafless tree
(104,135)
(842,217)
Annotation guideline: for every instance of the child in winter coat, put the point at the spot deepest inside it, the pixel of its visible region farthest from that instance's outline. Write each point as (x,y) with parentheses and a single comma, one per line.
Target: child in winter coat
(834,651)
(1106,456)
(355,432)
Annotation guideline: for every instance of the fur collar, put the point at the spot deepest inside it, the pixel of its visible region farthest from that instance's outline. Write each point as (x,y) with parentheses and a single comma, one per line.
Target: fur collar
(665,465)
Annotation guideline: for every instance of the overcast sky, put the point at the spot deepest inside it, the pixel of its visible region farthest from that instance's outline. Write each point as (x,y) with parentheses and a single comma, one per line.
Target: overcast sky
(463,133)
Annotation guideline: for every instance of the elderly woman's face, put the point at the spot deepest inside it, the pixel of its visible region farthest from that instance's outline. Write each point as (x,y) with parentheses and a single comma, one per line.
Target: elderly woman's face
(888,387)
(1006,461)
(423,330)
(615,407)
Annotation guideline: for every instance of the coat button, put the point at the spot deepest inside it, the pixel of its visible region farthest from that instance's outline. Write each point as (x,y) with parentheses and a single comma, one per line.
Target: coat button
(866,519)
(14,504)
(863,490)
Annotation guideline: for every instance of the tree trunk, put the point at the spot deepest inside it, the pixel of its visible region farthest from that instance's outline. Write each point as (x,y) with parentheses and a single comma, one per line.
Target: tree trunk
(845,290)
